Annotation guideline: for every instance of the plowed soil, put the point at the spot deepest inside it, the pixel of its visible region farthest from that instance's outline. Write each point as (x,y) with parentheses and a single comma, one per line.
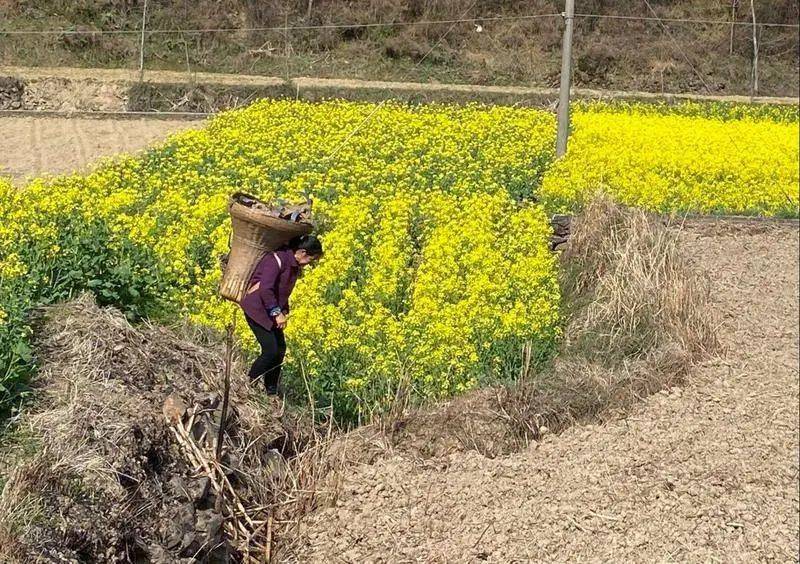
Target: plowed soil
(31,146)
(707,473)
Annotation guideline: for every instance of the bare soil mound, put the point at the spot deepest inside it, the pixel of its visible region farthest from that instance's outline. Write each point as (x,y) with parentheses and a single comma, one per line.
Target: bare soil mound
(125,427)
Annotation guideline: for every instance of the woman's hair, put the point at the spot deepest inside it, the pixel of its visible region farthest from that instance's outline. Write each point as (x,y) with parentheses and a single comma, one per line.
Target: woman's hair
(308,243)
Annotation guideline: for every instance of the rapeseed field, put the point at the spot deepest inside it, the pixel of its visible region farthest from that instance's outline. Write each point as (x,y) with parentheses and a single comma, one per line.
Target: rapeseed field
(434,218)
(693,160)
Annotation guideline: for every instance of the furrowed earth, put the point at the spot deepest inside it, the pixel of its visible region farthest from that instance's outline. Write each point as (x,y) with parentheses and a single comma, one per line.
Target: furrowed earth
(707,472)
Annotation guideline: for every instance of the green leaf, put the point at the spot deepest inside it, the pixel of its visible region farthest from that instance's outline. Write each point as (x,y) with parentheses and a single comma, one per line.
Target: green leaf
(23,351)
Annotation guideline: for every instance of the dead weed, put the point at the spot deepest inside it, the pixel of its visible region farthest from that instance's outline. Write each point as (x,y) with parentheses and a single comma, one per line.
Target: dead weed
(109,482)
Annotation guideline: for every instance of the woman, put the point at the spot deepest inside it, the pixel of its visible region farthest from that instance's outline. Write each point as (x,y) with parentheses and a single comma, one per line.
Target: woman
(266,304)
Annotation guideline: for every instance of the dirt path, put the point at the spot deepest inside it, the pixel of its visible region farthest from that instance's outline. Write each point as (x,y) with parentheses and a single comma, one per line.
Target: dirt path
(30,146)
(707,473)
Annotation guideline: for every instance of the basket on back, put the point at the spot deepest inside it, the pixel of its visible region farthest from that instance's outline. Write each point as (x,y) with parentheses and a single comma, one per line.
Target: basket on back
(256,232)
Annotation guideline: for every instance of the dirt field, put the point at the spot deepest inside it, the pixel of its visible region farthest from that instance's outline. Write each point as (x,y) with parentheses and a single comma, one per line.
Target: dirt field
(707,473)
(31,146)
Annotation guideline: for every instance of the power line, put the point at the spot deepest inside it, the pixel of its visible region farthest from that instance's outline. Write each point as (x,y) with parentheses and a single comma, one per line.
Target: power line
(682,20)
(677,45)
(688,62)
(279,28)
(382,24)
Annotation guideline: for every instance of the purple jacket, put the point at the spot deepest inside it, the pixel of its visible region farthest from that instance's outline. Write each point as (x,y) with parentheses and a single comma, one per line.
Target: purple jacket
(275,284)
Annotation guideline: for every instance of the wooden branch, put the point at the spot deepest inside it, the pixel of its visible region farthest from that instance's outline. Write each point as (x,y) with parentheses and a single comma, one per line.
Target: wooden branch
(239,525)
(226,385)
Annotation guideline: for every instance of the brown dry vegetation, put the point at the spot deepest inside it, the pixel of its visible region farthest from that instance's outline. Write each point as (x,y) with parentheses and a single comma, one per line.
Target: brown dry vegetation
(610,54)
(94,471)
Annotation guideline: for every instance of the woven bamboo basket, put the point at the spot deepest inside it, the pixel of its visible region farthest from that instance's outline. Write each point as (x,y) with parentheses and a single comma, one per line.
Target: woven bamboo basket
(254,234)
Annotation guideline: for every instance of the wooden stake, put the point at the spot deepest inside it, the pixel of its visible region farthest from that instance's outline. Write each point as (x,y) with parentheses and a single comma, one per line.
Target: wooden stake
(227,385)
(268,548)
(141,43)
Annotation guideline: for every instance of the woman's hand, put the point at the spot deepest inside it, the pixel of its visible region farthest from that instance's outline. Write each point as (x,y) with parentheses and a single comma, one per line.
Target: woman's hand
(281,320)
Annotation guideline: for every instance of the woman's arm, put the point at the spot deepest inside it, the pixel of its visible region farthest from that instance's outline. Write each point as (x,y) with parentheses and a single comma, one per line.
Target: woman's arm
(285,287)
(270,274)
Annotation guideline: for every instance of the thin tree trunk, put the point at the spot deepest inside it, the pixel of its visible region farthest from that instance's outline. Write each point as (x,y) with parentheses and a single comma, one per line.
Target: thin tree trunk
(733,24)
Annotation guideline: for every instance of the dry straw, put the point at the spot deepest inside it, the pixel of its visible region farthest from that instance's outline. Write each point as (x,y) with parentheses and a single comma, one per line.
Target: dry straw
(112,455)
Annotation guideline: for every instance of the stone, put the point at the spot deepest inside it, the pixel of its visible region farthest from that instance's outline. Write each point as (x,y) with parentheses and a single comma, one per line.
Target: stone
(199,489)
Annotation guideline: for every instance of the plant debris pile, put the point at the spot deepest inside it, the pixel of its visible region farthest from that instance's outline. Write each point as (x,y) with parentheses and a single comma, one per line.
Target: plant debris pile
(124,470)
(296,213)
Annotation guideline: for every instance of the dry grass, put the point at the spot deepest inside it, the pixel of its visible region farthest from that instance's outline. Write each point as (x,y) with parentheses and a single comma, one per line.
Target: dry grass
(109,480)
(630,289)
(639,318)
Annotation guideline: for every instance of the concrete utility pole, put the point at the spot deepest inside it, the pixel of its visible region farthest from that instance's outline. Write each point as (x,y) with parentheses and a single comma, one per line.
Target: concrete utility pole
(566,75)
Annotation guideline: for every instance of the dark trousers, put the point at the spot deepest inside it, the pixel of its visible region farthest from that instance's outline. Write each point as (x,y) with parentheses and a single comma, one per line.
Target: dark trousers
(273,350)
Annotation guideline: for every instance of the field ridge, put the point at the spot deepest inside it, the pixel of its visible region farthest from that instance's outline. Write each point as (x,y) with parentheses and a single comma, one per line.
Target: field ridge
(65,89)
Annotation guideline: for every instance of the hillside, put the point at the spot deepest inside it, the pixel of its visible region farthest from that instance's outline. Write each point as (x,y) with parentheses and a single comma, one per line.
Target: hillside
(503,46)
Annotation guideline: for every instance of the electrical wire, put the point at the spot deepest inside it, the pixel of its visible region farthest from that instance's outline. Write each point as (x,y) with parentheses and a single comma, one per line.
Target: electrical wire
(677,45)
(688,62)
(682,20)
(354,25)
(279,28)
